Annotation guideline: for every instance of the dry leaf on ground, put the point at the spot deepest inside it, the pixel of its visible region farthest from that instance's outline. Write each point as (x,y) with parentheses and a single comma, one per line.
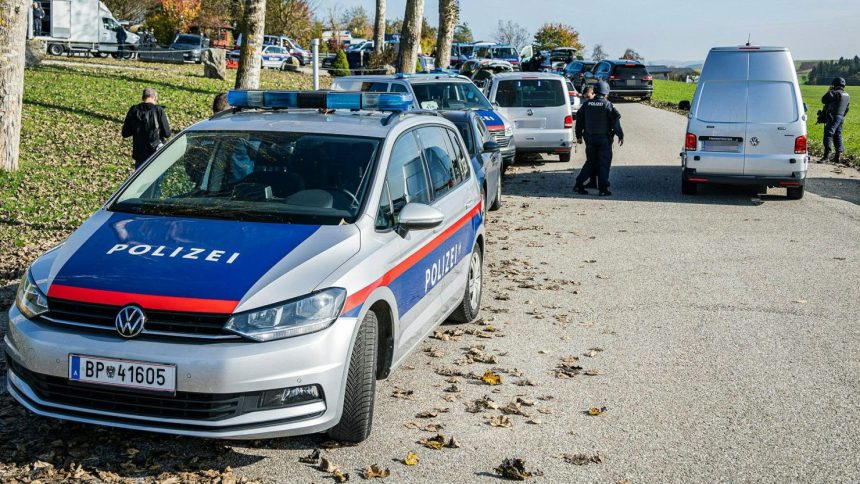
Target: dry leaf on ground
(411,458)
(595,411)
(491,378)
(500,421)
(374,471)
(515,469)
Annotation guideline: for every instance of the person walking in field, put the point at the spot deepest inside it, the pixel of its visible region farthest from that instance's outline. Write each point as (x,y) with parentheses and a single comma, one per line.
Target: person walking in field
(836,102)
(147,125)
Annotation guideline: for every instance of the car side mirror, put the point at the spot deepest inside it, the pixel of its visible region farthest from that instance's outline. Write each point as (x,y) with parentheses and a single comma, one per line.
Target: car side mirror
(491,146)
(418,216)
(495,104)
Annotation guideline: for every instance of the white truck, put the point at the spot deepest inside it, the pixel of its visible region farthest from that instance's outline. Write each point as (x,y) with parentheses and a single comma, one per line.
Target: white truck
(85,26)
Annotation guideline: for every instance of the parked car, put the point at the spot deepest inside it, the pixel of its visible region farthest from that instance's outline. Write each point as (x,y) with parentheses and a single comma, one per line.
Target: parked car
(560,57)
(575,71)
(290,46)
(460,53)
(192,44)
(626,78)
(503,52)
(438,90)
(747,122)
(275,57)
(575,97)
(258,275)
(485,153)
(486,69)
(539,106)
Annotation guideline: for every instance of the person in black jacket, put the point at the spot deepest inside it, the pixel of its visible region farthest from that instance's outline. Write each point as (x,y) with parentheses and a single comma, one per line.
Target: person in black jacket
(598,122)
(38,15)
(836,102)
(147,125)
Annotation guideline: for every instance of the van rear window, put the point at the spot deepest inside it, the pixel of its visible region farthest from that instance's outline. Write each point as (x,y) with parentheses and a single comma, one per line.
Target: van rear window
(771,102)
(625,72)
(722,102)
(530,93)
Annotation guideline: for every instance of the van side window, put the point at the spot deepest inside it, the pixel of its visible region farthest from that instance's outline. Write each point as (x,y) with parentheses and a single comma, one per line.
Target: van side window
(439,161)
(406,179)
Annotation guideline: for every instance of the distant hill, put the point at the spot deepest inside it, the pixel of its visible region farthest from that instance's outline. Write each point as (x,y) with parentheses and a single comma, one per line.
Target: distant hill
(676,63)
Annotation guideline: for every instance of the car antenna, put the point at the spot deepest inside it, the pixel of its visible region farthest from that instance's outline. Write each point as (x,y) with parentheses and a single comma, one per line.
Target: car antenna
(749,37)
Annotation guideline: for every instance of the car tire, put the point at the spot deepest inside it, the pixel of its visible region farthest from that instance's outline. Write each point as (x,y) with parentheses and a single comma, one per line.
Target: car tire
(688,187)
(794,193)
(469,307)
(360,393)
(56,49)
(564,157)
(497,203)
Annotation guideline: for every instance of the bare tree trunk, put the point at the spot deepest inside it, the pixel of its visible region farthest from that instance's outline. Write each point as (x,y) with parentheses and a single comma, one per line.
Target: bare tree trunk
(410,36)
(250,57)
(449,13)
(13,40)
(379,28)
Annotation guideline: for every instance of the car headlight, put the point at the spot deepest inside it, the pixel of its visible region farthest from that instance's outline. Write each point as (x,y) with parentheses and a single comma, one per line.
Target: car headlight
(509,130)
(196,51)
(307,314)
(31,301)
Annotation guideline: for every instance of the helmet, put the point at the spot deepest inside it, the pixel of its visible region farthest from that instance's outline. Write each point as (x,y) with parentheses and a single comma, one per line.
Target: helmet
(602,88)
(838,82)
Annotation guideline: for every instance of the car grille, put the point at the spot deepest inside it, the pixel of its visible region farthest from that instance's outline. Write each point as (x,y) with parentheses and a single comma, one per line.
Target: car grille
(500,138)
(182,405)
(162,324)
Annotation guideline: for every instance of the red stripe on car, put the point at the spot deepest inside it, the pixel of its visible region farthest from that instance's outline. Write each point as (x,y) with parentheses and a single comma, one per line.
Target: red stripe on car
(146,301)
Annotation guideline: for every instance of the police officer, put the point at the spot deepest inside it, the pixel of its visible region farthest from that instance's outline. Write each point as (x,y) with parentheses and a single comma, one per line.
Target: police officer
(598,122)
(836,102)
(38,15)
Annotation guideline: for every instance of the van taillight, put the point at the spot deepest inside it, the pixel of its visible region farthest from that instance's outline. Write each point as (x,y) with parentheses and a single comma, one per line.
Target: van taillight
(692,143)
(614,78)
(568,121)
(800,145)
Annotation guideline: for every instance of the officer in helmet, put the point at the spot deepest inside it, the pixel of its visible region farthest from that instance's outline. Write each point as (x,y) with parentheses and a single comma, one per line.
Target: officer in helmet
(836,102)
(598,122)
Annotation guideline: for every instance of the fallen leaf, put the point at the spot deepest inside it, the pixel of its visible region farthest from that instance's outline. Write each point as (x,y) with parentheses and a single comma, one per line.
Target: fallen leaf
(482,403)
(452,444)
(428,414)
(514,408)
(403,393)
(312,458)
(594,411)
(534,421)
(500,421)
(593,372)
(434,443)
(491,378)
(411,459)
(375,471)
(515,469)
(583,459)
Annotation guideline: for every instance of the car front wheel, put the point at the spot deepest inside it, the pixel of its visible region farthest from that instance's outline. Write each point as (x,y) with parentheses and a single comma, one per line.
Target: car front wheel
(471,304)
(360,393)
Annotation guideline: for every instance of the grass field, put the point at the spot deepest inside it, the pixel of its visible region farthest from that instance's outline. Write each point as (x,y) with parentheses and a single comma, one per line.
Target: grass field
(72,155)
(667,94)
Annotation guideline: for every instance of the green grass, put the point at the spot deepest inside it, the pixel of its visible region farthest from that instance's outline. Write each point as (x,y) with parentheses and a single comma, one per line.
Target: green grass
(667,94)
(72,155)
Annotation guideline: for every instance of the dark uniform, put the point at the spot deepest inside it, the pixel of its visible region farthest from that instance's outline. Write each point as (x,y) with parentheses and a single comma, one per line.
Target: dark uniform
(38,15)
(597,122)
(836,102)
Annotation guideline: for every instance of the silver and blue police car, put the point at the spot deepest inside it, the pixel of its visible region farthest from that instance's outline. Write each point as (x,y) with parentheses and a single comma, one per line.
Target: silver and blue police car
(258,274)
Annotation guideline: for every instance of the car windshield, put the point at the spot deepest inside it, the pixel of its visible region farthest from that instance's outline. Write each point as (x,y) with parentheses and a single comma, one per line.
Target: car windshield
(504,52)
(450,95)
(530,93)
(467,50)
(187,39)
(255,176)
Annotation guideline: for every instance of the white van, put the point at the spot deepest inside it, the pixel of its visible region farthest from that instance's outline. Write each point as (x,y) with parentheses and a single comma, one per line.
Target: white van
(747,122)
(539,106)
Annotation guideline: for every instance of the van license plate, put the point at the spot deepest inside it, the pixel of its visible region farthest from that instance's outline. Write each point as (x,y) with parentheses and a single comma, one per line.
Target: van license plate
(632,82)
(138,375)
(725,145)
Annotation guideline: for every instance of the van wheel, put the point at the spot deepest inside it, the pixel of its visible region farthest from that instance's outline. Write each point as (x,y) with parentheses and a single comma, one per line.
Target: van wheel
(470,306)
(564,157)
(795,193)
(360,394)
(55,49)
(497,203)
(688,187)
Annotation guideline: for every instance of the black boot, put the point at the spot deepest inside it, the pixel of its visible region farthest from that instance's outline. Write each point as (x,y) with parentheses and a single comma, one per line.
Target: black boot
(580,190)
(605,193)
(591,184)
(837,158)
(824,157)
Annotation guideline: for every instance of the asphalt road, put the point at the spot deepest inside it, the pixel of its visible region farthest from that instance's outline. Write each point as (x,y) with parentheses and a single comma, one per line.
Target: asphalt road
(728,325)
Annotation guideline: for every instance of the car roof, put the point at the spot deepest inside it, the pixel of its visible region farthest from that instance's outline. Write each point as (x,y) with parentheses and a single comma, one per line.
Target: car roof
(623,61)
(363,123)
(454,116)
(529,75)
(752,48)
(414,78)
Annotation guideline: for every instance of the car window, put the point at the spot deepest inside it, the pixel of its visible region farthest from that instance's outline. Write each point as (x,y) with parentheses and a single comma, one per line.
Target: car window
(111,24)
(624,71)
(396,87)
(771,102)
(461,160)
(530,93)
(722,102)
(385,214)
(466,133)
(439,160)
(283,176)
(504,52)
(406,178)
(603,67)
(450,95)
(374,86)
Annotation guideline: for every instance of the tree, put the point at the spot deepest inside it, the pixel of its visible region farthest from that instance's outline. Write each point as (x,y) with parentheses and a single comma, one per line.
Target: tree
(449,12)
(550,36)
(293,18)
(356,20)
(410,36)
(132,10)
(511,33)
(631,54)
(340,66)
(379,28)
(598,54)
(463,33)
(173,16)
(13,38)
(250,55)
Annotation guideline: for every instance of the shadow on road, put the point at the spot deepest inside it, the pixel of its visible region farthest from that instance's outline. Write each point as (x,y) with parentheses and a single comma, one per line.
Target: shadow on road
(847,189)
(631,183)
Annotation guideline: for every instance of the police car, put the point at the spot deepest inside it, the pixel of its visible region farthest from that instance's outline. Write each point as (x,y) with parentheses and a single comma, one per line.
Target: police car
(258,274)
(440,90)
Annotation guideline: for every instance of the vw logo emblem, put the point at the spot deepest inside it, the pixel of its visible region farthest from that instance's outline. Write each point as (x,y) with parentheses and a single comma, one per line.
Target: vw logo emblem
(754,141)
(530,112)
(129,321)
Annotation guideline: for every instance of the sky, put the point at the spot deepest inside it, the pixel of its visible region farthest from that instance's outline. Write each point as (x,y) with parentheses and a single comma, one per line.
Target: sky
(676,30)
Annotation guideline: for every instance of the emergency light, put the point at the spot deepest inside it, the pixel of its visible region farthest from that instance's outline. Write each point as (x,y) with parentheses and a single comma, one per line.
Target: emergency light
(372,101)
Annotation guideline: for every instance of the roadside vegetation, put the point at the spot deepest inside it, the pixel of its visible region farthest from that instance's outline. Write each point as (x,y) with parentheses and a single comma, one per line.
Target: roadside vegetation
(667,95)
(72,155)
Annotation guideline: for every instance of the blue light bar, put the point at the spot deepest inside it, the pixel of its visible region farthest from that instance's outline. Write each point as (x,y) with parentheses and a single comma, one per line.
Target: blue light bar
(368,101)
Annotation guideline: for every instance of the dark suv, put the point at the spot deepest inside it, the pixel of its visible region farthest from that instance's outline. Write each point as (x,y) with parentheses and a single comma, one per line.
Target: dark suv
(626,78)
(575,71)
